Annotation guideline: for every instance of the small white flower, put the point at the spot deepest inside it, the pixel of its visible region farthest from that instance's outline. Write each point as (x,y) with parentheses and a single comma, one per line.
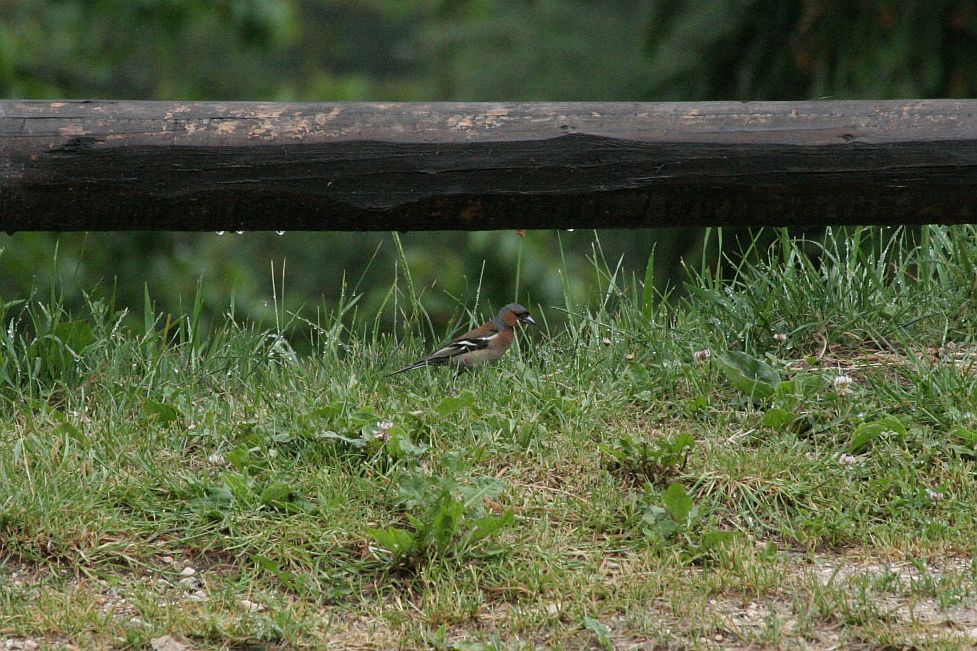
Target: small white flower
(780,337)
(843,384)
(846,460)
(702,355)
(383,430)
(936,496)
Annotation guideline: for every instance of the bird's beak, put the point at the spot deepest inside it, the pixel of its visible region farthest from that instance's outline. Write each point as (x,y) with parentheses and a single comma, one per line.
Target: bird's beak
(527,319)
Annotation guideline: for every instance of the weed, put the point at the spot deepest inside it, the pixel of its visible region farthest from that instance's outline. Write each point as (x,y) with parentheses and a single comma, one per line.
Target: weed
(447,518)
(654,461)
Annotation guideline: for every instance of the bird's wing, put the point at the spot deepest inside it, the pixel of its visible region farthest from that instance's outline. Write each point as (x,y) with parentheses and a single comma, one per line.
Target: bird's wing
(460,346)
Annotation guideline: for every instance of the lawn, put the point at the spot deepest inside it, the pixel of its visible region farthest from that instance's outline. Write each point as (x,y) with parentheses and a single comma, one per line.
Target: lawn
(782,452)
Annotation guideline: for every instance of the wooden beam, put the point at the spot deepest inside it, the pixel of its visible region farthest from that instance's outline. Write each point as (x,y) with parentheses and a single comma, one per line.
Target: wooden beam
(107,165)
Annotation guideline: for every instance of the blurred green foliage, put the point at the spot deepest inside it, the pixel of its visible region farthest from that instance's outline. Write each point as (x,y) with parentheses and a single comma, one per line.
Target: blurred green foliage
(439,50)
(800,49)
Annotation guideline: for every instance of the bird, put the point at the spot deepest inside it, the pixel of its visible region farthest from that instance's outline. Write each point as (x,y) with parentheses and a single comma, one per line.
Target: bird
(483,345)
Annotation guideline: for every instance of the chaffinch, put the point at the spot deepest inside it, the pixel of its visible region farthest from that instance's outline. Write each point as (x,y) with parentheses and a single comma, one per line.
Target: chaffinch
(485,344)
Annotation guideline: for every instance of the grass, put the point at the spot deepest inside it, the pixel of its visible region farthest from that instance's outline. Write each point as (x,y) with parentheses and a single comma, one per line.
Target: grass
(780,455)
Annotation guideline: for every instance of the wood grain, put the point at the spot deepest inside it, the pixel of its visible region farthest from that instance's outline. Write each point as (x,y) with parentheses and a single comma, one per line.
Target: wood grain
(109,165)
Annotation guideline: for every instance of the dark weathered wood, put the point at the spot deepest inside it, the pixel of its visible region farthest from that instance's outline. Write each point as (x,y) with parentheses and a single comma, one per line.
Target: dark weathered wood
(104,165)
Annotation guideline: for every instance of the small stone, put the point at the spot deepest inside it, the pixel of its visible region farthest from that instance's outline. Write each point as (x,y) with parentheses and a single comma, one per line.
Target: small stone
(553,610)
(188,571)
(199,595)
(22,645)
(166,643)
(251,606)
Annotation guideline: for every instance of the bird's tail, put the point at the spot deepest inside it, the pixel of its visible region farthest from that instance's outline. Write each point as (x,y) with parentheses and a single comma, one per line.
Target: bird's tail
(430,361)
(419,364)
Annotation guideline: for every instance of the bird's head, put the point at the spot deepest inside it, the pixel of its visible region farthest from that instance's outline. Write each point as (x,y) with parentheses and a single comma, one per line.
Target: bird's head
(513,314)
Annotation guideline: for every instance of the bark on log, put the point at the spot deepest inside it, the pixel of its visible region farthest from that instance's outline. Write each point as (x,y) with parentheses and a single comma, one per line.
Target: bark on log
(107,165)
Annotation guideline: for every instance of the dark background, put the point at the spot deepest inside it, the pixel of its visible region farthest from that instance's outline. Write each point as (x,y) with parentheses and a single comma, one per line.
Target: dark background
(516,50)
